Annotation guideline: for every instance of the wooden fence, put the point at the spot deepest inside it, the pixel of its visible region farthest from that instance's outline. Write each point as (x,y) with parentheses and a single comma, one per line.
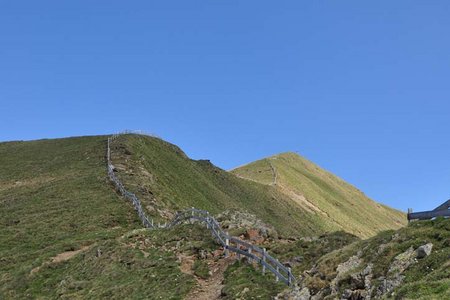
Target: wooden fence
(229,243)
(442,210)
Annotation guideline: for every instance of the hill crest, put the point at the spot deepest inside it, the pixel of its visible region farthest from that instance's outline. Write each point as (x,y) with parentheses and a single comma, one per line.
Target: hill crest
(343,206)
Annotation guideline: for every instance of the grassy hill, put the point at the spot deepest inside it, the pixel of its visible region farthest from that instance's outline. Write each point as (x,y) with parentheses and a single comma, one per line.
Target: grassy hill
(62,224)
(166,180)
(62,228)
(336,203)
(65,232)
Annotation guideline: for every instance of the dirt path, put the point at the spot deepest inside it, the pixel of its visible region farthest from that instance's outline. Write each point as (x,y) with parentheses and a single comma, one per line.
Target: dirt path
(60,257)
(208,289)
(274,172)
(68,255)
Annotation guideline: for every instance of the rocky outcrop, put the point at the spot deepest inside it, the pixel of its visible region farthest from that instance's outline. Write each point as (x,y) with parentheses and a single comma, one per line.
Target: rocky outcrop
(395,277)
(297,293)
(342,270)
(402,261)
(354,279)
(360,284)
(254,229)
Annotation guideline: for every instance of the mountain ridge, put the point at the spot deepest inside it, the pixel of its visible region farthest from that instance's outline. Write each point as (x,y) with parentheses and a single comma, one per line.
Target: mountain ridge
(165,179)
(321,192)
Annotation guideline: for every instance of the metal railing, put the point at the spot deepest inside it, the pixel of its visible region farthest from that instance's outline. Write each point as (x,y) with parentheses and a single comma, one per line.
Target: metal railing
(229,243)
(442,210)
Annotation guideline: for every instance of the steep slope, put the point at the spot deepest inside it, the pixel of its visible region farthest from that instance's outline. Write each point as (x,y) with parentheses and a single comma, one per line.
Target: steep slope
(64,232)
(339,205)
(411,263)
(165,180)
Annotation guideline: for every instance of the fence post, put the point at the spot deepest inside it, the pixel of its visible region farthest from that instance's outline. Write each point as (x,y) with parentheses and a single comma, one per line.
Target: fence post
(238,255)
(264,260)
(289,276)
(227,243)
(409,211)
(278,271)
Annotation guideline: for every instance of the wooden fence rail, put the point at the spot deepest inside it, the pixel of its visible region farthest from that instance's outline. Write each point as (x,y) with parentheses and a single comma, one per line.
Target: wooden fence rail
(229,243)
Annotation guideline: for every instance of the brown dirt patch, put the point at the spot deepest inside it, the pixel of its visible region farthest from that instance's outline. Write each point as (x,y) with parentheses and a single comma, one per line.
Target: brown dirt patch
(301,200)
(210,289)
(67,255)
(30,182)
(60,258)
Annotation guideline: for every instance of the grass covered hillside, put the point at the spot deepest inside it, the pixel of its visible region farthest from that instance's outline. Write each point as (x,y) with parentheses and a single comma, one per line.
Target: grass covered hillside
(336,203)
(410,263)
(54,198)
(166,180)
(65,233)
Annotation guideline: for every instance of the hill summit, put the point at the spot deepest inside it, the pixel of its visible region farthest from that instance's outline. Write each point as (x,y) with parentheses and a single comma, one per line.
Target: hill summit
(339,205)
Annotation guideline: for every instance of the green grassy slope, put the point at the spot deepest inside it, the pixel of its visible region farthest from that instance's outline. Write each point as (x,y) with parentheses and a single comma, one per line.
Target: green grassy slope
(55,198)
(340,205)
(165,180)
(422,278)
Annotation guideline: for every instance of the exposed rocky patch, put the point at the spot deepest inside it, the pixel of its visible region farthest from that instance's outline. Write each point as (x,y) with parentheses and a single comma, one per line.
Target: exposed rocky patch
(355,279)
(247,226)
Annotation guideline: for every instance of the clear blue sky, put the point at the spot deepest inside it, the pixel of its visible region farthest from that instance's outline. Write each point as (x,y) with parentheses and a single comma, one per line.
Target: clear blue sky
(362,88)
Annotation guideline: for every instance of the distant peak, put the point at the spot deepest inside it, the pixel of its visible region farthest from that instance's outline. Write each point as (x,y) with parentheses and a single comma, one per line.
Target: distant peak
(289,154)
(282,155)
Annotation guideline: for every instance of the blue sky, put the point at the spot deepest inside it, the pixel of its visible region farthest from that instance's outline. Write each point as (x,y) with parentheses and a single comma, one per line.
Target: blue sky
(361,88)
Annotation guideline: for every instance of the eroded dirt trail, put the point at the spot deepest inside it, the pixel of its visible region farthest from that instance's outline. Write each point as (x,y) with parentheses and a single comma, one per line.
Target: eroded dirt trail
(60,258)
(206,289)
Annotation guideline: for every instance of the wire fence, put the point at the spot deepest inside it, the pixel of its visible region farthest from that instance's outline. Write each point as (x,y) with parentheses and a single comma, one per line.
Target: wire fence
(229,243)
